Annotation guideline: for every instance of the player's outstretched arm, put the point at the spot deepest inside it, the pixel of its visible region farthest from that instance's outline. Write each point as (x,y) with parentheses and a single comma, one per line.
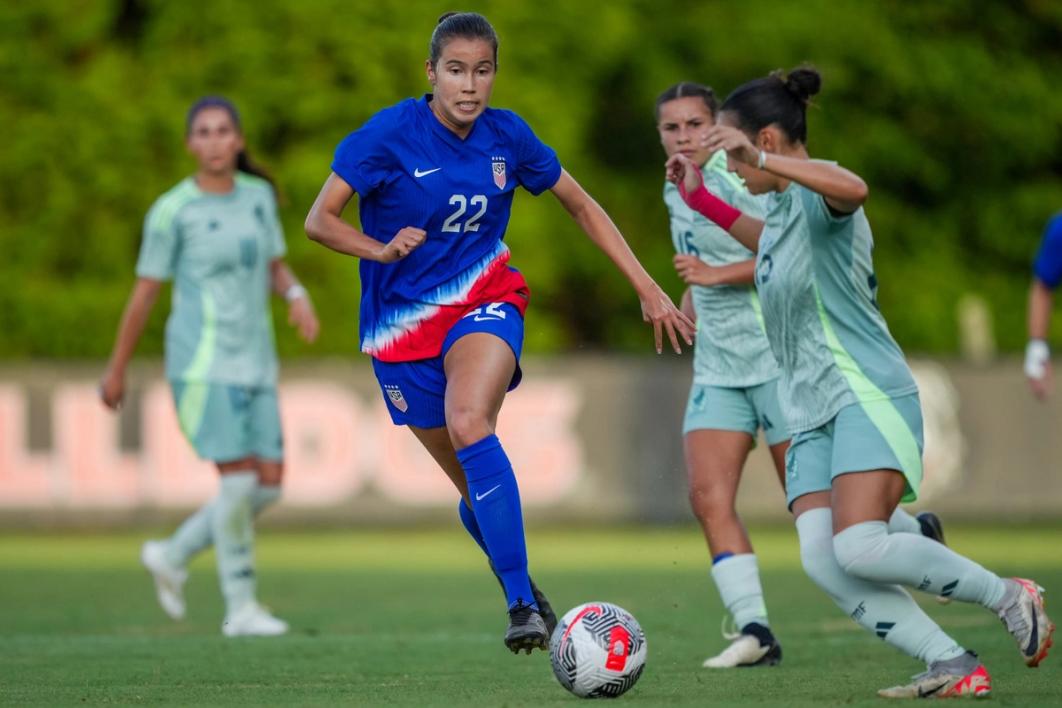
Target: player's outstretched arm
(135,316)
(325,225)
(681,171)
(843,190)
(657,307)
(1037,354)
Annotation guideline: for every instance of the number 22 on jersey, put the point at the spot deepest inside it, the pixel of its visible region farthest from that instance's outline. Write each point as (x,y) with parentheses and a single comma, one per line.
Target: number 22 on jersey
(462,203)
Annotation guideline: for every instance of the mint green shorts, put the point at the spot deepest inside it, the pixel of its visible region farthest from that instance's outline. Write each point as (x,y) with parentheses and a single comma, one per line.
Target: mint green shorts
(745,410)
(225,423)
(875,435)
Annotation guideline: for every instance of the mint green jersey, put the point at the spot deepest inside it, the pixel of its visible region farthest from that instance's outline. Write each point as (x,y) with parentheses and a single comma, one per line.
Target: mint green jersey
(816,281)
(217,249)
(732,348)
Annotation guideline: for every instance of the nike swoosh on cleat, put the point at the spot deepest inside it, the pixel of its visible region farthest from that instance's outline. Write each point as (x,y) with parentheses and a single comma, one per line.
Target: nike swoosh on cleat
(484,495)
(418,174)
(927,694)
(1034,639)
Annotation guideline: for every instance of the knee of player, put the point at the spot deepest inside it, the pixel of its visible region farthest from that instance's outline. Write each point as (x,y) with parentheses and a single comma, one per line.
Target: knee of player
(710,507)
(467,425)
(859,548)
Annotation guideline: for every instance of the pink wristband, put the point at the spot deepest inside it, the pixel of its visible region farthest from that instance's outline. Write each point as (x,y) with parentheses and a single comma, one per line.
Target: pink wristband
(704,202)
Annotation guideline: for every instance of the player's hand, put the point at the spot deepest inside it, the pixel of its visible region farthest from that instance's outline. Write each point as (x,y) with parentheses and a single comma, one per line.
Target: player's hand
(694,271)
(737,145)
(112,389)
(682,172)
(658,310)
(405,242)
(1038,368)
(303,318)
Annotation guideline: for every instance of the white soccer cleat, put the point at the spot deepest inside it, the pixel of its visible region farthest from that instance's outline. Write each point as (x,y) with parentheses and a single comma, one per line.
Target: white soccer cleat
(747,649)
(1025,618)
(963,677)
(169,581)
(253,620)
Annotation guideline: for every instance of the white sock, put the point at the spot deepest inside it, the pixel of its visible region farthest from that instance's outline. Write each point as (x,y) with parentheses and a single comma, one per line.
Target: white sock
(232,527)
(886,610)
(870,552)
(738,580)
(902,522)
(194,534)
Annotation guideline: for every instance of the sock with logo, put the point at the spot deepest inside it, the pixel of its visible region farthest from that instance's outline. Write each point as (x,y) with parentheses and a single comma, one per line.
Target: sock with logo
(870,552)
(902,522)
(886,610)
(738,580)
(495,502)
(233,531)
(194,534)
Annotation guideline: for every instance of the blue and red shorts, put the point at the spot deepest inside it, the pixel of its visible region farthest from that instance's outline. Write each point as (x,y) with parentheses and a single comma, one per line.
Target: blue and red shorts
(415,391)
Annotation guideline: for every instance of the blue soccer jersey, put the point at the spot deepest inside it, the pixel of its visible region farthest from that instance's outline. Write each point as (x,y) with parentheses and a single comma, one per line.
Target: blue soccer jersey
(1048,264)
(410,170)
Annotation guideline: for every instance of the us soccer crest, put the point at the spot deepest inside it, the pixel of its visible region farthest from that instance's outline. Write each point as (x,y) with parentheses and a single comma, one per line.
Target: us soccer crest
(397,399)
(498,168)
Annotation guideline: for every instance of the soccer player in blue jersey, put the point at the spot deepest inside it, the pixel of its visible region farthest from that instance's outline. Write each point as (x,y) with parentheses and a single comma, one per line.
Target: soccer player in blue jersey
(1047,274)
(847,393)
(217,236)
(441,309)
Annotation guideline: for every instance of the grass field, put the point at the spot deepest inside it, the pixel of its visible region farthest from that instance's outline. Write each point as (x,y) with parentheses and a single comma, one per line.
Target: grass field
(414,618)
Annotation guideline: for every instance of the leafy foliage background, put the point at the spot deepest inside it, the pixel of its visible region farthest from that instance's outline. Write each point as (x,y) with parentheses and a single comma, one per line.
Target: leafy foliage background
(950,110)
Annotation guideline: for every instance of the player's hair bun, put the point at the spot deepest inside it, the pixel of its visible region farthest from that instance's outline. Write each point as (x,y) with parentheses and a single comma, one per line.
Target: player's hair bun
(803,82)
(445,16)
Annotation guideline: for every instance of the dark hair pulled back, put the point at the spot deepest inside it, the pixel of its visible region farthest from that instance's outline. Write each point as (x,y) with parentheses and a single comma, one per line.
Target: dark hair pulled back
(686,89)
(464,25)
(778,99)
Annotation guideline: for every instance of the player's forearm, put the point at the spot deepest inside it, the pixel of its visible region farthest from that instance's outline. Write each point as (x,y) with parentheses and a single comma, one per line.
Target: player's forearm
(741,273)
(285,284)
(742,227)
(843,189)
(134,318)
(332,232)
(1040,300)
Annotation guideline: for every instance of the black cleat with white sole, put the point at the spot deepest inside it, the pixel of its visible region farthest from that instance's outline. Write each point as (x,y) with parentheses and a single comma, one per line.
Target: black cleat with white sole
(544,608)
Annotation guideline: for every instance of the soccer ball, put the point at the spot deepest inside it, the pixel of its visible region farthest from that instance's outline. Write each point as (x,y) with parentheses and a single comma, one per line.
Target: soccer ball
(597,650)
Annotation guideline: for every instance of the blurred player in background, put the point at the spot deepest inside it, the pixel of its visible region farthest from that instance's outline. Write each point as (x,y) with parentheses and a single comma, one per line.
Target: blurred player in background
(847,393)
(217,236)
(441,310)
(735,375)
(1047,274)
(733,393)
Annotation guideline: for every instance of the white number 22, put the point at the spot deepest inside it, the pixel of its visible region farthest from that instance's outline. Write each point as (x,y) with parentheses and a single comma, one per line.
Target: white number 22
(452,224)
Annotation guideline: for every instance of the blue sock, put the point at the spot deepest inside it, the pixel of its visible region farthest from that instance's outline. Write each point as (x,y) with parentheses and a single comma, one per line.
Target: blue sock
(496,505)
(468,518)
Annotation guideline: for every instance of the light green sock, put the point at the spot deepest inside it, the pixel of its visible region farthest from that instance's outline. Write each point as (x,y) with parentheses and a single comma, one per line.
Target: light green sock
(902,522)
(887,611)
(738,581)
(232,527)
(194,534)
(870,552)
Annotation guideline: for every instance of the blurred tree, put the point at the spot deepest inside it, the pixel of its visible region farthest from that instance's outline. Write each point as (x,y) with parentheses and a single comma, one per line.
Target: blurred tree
(948,110)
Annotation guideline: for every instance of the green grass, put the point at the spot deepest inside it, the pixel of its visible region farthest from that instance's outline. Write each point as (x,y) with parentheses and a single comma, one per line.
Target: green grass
(414,618)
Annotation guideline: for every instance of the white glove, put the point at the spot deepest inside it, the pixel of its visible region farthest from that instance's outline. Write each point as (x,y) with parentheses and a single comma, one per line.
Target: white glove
(1037,355)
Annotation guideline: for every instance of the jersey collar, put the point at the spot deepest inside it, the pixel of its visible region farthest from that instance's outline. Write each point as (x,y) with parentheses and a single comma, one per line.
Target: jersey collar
(441,130)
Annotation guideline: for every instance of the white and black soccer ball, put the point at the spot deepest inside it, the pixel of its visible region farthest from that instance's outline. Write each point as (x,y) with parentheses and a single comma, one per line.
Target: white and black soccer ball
(598,650)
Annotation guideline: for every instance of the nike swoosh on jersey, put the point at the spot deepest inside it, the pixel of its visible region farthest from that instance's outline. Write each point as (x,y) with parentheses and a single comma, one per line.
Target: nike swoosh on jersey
(418,174)
(484,495)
